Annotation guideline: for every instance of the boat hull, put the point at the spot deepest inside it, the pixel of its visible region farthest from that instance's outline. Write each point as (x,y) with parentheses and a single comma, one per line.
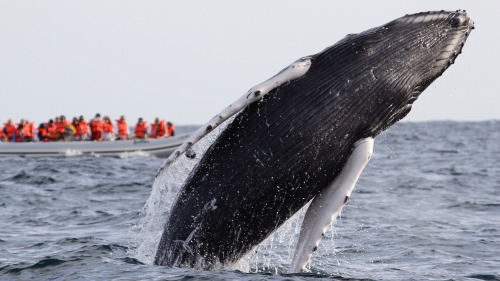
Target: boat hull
(153,147)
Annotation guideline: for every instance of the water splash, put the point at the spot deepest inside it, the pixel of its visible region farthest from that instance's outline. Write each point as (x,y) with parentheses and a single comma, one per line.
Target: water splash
(133,154)
(273,255)
(147,234)
(72,152)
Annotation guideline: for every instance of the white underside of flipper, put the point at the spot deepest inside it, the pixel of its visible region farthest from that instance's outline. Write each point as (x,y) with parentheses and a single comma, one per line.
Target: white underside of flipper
(325,207)
(292,72)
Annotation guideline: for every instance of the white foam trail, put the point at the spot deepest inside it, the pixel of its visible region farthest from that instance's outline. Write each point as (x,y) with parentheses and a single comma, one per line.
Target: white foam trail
(133,154)
(72,152)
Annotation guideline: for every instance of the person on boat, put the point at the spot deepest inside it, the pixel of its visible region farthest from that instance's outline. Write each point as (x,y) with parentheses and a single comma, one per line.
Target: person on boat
(122,128)
(33,131)
(60,127)
(85,129)
(19,133)
(42,132)
(69,131)
(158,129)
(9,130)
(51,130)
(78,129)
(2,135)
(28,130)
(96,128)
(170,129)
(108,130)
(141,131)
(23,132)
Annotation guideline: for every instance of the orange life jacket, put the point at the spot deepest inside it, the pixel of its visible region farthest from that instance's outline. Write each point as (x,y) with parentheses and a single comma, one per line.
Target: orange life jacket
(141,130)
(29,130)
(32,129)
(26,131)
(122,128)
(158,132)
(85,127)
(108,127)
(43,133)
(170,131)
(9,130)
(78,128)
(51,131)
(60,127)
(96,126)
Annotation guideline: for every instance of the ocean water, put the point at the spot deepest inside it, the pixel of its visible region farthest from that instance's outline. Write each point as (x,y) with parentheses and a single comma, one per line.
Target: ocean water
(427,207)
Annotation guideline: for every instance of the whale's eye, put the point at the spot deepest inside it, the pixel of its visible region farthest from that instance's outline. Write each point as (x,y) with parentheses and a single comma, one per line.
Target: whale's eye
(457,21)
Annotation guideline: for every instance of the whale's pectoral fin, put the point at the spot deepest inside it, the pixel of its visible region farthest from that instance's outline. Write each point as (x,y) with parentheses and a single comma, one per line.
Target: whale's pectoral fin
(292,72)
(326,205)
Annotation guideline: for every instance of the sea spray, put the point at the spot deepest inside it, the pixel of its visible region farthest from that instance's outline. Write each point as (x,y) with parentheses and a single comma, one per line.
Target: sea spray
(147,233)
(273,255)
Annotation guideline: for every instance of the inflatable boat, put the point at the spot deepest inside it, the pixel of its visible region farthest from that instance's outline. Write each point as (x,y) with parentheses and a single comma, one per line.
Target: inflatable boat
(123,148)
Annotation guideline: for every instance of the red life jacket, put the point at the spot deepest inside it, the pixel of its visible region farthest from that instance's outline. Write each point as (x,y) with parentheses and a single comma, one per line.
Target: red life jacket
(158,132)
(32,129)
(78,128)
(60,127)
(1,134)
(96,126)
(26,131)
(108,127)
(51,131)
(141,130)
(122,128)
(29,130)
(85,127)
(9,130)
(170,131)
(43,134)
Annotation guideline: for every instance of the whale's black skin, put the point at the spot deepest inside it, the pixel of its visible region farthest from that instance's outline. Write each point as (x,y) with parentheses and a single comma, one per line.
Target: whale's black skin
(280,152)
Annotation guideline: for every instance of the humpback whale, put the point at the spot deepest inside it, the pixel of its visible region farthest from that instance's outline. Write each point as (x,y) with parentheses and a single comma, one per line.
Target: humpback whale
(302,136)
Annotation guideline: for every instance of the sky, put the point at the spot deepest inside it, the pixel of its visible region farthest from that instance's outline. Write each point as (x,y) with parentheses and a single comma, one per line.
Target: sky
(184,61)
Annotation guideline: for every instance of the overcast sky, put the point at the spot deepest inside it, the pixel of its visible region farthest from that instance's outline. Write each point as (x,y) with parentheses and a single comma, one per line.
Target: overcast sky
(184,61)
